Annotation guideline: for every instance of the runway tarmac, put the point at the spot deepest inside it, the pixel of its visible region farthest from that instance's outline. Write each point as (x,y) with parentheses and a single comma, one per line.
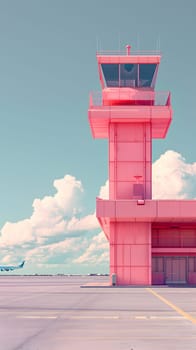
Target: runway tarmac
(54,313)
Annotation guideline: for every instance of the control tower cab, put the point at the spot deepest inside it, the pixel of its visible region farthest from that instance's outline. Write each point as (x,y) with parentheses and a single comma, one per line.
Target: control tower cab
(128,80)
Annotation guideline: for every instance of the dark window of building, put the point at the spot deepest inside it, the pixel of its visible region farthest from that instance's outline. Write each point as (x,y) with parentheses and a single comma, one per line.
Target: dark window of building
(189,238)
(155,238)
(192,264)
(111,74)
(174,238)
(164,238)
(146,73)
(128,75)
(157,264)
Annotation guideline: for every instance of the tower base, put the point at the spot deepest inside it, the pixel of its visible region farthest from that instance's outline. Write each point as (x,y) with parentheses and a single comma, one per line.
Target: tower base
(130,253)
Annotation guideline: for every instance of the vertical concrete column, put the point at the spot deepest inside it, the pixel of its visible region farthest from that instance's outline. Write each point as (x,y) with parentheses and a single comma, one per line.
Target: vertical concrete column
(130,160)
(130,252)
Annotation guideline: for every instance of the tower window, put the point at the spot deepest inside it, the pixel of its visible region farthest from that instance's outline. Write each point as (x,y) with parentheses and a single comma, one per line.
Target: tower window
(146,74)
(128,75)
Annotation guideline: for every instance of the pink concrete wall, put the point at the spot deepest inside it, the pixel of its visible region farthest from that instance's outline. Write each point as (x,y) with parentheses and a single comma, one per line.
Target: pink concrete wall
(130,252)
(130,160)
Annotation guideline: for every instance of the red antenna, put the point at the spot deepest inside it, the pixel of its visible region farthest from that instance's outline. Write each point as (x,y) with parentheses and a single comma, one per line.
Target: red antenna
(128,47)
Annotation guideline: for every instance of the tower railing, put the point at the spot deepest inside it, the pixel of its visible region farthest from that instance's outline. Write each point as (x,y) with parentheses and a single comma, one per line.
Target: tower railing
(157,98)
(132,53)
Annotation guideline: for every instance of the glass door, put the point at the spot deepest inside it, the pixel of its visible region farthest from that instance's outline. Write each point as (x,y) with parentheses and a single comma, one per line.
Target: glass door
(175,270)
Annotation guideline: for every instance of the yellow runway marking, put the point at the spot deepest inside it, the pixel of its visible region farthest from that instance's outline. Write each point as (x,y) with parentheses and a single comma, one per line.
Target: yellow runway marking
(174,307)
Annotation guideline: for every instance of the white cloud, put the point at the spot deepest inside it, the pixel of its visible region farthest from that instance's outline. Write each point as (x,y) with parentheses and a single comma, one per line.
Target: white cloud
(7,259)
(44,253)
(104,190)
(50,213)
(97,251)
(173,177)
(50,216)
(54,218)
(16,233)
(86,223)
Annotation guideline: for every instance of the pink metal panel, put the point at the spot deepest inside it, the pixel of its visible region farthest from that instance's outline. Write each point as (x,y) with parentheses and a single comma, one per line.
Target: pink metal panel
(168,208)
(140,255)
(123,170)
(121,232)
(175,210)
(174,251)
(124,190)
(108,58)
(120,270)
(148,194)
(127,96)
(113,228)
(130,170)
(105,208)
(143,234)
(100,118)
(119,255)
(132,210)
(152,210)
(112,190)
(187,208)
(127,276)
(148,170)
(130,132)
(130,151)
(140,276)
(125,233)
(112,151)
(127,245)
(127,254)
(112,255)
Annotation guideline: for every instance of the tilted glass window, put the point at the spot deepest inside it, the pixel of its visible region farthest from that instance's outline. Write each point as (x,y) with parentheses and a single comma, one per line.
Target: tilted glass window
(128,74)
(111,74)
(146,73)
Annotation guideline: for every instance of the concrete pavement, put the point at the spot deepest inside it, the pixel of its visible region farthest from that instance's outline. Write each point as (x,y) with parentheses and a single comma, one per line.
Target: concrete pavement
(54,313)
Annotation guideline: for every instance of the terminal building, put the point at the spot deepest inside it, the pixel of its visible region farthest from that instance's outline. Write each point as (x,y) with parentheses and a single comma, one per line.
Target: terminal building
(151,241)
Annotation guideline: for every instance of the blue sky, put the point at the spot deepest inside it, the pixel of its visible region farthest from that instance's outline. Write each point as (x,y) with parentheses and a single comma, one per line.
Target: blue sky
(51,168)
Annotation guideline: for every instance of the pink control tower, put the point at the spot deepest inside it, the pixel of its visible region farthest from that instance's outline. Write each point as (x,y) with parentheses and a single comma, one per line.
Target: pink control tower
(151,241)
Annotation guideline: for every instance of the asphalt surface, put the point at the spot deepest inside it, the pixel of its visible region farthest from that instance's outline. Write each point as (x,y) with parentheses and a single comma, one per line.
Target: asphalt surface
(54,313)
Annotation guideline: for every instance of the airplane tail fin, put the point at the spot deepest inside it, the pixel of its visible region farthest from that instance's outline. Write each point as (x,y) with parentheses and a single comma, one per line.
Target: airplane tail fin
(22,264)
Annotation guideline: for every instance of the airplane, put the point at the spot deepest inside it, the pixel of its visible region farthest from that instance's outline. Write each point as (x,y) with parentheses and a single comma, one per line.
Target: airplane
(11,268)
